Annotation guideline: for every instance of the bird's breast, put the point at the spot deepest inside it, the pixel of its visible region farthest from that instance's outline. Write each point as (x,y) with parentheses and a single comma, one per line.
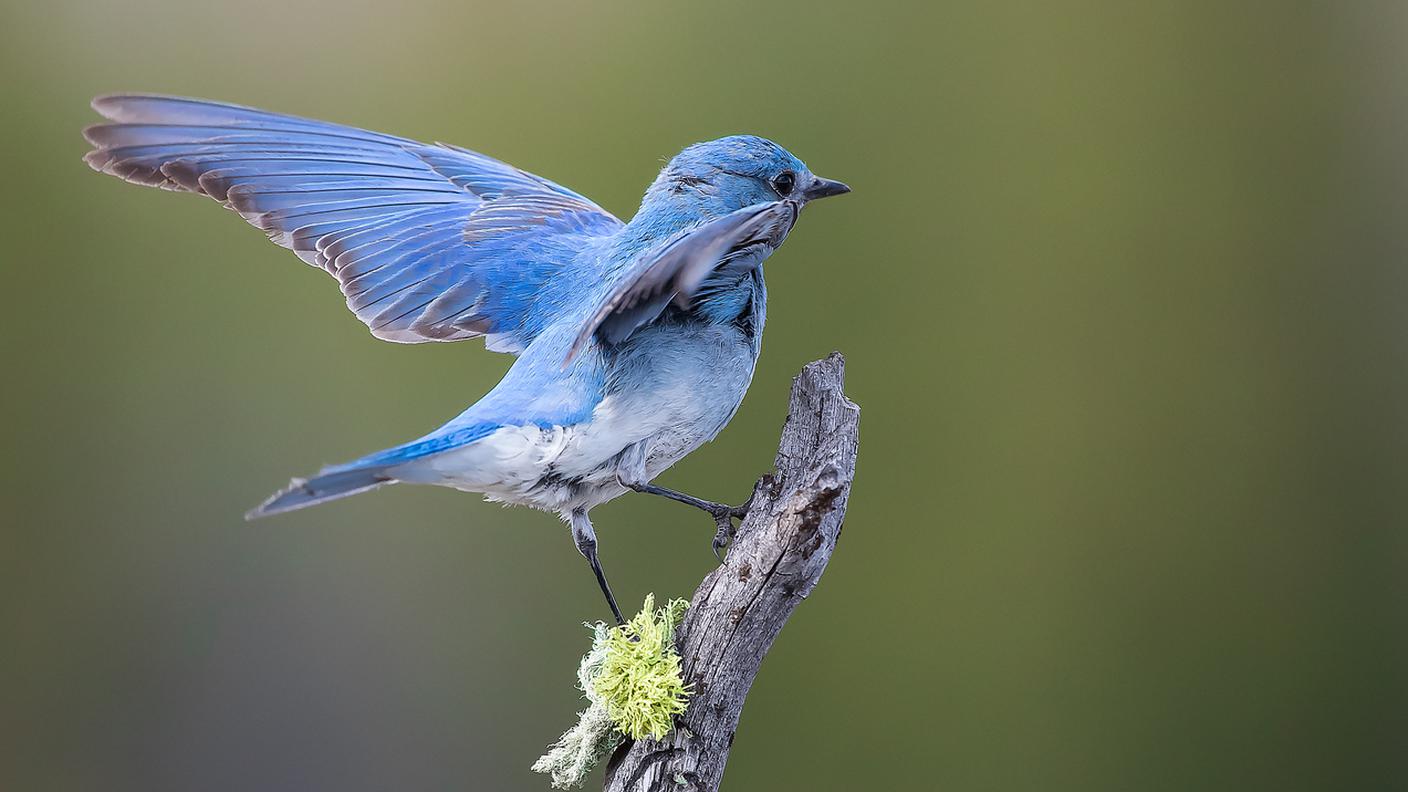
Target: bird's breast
(673,386)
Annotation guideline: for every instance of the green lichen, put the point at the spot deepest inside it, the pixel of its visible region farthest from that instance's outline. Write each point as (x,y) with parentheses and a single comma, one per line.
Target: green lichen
(631,679)
(640,681)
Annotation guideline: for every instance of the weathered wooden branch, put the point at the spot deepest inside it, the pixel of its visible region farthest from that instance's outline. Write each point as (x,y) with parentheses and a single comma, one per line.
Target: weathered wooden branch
(775,561)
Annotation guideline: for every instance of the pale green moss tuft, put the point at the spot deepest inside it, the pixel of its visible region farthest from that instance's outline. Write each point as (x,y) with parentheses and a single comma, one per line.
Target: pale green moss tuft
(631,679)
(640,682)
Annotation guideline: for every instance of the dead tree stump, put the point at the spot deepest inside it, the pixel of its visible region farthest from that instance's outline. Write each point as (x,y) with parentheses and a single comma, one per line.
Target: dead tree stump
(775,561)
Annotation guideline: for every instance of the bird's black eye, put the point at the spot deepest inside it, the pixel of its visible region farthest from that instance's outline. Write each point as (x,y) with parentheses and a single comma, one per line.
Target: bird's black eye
(784,182)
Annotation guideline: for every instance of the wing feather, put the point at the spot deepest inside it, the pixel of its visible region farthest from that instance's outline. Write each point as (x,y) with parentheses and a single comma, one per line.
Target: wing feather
(427,242)
(674,270)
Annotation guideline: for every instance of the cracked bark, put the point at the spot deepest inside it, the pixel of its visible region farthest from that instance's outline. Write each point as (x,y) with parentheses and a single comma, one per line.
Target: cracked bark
(775,561)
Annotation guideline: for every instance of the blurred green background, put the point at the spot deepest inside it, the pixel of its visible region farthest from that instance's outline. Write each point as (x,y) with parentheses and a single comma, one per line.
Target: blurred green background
(1122,290)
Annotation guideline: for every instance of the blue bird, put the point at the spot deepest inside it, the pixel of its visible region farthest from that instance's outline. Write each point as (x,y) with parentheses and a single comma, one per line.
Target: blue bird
(635,341)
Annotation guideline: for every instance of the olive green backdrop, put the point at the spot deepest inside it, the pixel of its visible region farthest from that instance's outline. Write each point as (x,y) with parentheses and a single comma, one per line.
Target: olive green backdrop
(1122,290)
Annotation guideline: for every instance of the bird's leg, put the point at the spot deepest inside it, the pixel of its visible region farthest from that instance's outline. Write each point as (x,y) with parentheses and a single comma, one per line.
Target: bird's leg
(585,538)
(722,513)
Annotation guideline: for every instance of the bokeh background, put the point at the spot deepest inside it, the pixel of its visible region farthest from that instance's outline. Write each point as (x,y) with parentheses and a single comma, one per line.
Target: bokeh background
(1122,290)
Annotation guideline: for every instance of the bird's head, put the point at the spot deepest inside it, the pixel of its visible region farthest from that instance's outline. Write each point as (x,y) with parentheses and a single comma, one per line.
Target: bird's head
(709,180)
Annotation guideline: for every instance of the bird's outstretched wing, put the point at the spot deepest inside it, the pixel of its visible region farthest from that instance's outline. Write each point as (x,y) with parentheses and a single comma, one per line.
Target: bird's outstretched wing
(674,270)
(428,242)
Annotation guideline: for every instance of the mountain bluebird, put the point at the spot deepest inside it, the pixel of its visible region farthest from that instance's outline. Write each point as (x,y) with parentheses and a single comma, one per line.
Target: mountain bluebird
(635,341)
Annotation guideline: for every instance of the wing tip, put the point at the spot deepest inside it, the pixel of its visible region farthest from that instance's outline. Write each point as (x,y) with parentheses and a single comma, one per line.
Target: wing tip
(122,106)
(102,104)
(116,106)
(94,134)
(97,159)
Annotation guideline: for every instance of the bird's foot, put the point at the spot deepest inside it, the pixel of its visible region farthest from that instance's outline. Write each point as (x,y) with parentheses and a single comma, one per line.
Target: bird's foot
(723,518)
(723,514)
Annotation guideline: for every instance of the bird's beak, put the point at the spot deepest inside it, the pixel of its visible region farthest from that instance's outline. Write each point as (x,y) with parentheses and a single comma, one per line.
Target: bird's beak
(824,188)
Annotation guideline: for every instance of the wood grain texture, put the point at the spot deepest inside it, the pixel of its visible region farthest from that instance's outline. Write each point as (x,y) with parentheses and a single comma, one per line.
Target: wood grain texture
(776,559)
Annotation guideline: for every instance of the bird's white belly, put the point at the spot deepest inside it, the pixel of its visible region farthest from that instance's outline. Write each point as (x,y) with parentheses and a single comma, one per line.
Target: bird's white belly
(506,465)
(683,387)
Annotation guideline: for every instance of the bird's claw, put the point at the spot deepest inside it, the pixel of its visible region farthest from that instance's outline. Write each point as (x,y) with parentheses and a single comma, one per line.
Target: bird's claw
(722,538)
(724,518)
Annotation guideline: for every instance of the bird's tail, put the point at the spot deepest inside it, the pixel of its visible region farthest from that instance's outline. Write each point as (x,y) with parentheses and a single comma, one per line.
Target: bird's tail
(369,472)
(331,484)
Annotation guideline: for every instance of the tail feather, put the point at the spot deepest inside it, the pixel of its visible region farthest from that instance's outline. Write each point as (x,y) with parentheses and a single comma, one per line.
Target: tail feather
(369,472)
(321,489)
